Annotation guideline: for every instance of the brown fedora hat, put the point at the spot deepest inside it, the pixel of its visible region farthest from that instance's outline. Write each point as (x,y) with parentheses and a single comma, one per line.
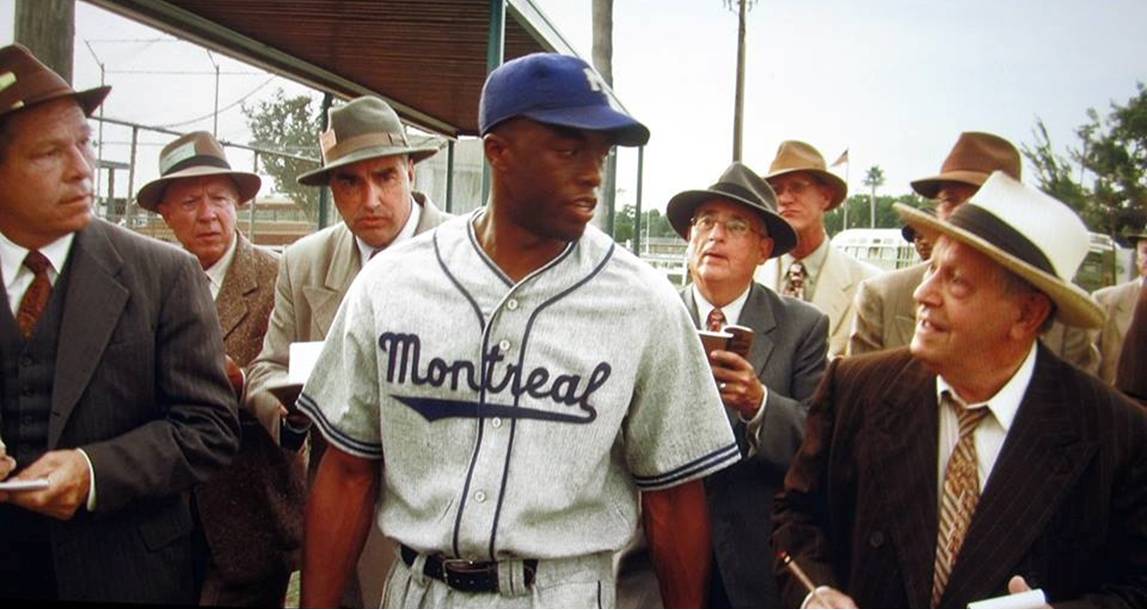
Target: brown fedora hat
(738,184)
(364,128)
(974,157)
(25,82)
(796,156)
(194,155)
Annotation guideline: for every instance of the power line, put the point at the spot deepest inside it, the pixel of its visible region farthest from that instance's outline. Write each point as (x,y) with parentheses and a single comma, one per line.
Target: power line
(211,114)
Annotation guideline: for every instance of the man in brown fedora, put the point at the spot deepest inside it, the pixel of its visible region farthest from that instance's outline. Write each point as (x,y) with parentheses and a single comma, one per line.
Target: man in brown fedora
(252,512)
(114,391)
(885,310)
(974,463)
(732,227)
(814,271)
(368,163)
(1121,343)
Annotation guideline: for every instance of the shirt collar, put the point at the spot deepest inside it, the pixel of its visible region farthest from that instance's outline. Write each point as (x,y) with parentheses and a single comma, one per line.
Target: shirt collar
(218,271)
(812,263)
(732,311)
(1006,402)
(365,250)
(12,255)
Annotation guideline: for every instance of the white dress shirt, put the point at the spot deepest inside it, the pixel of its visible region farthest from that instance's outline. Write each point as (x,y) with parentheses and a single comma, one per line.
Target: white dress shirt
(732,313)
(813,263)
(218,272)
(990,434)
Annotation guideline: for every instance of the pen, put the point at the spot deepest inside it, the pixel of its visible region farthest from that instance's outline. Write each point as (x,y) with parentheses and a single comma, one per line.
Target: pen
(800,575)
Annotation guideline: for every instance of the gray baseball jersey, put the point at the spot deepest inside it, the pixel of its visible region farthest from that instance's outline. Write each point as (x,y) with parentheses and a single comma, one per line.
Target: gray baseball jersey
(517,420)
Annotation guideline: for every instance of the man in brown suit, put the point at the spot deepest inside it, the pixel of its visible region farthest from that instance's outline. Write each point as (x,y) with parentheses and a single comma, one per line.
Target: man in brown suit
(975,462)
(369,165)
(885,311)
(251,513)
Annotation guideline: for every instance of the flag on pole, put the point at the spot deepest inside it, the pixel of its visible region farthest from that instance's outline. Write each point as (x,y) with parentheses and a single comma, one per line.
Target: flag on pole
(843,158)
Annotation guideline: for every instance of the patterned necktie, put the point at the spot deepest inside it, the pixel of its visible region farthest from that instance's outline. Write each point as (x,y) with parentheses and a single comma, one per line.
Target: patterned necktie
(1131,375)
(961,494)
(794,281)
(36,297)
(716,320)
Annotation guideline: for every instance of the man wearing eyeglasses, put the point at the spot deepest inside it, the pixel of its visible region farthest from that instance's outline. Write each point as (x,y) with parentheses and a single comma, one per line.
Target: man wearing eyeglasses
(732,227)
(814,271)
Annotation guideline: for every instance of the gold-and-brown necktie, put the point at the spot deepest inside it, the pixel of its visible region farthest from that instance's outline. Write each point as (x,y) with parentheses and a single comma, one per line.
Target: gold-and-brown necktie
(960,496)
(716,320)
(36,297)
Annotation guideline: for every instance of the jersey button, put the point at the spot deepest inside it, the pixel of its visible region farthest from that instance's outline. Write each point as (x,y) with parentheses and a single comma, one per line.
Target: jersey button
(504,345)
(496,422)
(479,496)
(512,304)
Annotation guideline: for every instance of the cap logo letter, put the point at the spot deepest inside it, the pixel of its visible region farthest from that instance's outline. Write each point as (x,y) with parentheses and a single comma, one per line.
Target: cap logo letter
(594,79)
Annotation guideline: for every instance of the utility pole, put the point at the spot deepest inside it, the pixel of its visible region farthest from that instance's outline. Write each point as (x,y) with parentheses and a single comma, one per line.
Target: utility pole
(739,101)
(603,61)
(215,114)
(48,28)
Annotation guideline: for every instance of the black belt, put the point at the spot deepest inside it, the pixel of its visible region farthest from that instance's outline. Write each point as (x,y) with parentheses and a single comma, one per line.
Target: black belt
(465,575)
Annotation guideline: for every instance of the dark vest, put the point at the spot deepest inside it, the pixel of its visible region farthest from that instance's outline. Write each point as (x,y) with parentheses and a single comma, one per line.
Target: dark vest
(29,368)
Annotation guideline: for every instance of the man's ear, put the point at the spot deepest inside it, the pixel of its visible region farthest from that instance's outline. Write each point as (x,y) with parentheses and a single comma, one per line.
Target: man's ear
(1035,307)
(765,249)
(496,148)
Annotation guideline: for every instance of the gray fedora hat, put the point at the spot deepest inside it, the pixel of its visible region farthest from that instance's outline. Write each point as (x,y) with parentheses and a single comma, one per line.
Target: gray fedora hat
(364,128)
(738,184)
(194,155)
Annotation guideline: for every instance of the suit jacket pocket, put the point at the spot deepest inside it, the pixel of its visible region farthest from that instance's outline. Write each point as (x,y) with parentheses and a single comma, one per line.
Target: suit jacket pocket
(166,526)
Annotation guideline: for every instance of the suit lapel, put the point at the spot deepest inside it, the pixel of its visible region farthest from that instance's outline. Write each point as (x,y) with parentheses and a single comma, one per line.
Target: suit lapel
(904,451)
(1043,455)
(239,282)
(758,315)
(832,288)
(324,301)
(94,302)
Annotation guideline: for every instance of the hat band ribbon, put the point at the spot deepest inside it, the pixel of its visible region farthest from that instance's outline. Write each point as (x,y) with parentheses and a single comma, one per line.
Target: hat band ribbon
(982,223)
(198,161)
(357,143)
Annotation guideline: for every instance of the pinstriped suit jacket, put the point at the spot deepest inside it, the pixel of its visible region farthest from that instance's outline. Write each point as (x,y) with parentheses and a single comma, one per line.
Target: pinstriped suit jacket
(1065,505)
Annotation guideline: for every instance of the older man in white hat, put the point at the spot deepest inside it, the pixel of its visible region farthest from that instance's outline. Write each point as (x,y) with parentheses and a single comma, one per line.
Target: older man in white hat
(368,163)
(885,309)
(975,462)
(814,270)
(252,512)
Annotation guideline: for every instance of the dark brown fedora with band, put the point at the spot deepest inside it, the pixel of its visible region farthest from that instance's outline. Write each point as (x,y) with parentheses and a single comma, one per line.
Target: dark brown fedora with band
(26,82)
(974,157)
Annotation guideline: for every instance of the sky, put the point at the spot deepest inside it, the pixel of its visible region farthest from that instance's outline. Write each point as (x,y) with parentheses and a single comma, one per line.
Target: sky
(892,81)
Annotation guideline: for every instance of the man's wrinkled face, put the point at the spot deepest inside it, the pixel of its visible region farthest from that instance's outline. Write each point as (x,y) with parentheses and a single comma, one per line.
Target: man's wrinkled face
(201,212)
(801,200)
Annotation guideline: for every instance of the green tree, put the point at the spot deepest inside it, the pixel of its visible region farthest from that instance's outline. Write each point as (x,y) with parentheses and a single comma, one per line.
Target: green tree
(886,217)
(874,179)
(1114,152)
(290,125)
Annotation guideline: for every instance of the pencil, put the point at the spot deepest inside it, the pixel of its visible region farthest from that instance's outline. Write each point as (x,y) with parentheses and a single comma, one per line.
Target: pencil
(801,576)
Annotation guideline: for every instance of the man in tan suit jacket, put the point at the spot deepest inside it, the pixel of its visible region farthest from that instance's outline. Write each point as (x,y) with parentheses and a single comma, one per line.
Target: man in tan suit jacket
(824,275)
(1119,302)
(251,513)
(372,187)
(885,310)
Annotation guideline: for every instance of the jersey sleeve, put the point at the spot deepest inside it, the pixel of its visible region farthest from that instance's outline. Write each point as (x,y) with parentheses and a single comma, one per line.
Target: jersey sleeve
(676,430)
(341,395)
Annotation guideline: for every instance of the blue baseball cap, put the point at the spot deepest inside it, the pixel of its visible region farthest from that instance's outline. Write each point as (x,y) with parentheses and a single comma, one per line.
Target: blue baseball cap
(555,89)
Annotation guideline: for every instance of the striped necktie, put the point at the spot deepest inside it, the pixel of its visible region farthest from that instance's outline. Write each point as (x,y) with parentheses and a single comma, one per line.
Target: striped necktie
(961,494)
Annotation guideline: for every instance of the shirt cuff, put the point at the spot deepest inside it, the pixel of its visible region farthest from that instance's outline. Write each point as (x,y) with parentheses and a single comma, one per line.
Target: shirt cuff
(91,482)
(753,426)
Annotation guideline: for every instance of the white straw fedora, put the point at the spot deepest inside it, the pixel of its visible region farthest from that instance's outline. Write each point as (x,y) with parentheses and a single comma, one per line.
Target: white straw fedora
(1027,232)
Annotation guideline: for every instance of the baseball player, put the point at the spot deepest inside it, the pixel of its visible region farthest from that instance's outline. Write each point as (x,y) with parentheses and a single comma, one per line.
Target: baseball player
(508,382)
